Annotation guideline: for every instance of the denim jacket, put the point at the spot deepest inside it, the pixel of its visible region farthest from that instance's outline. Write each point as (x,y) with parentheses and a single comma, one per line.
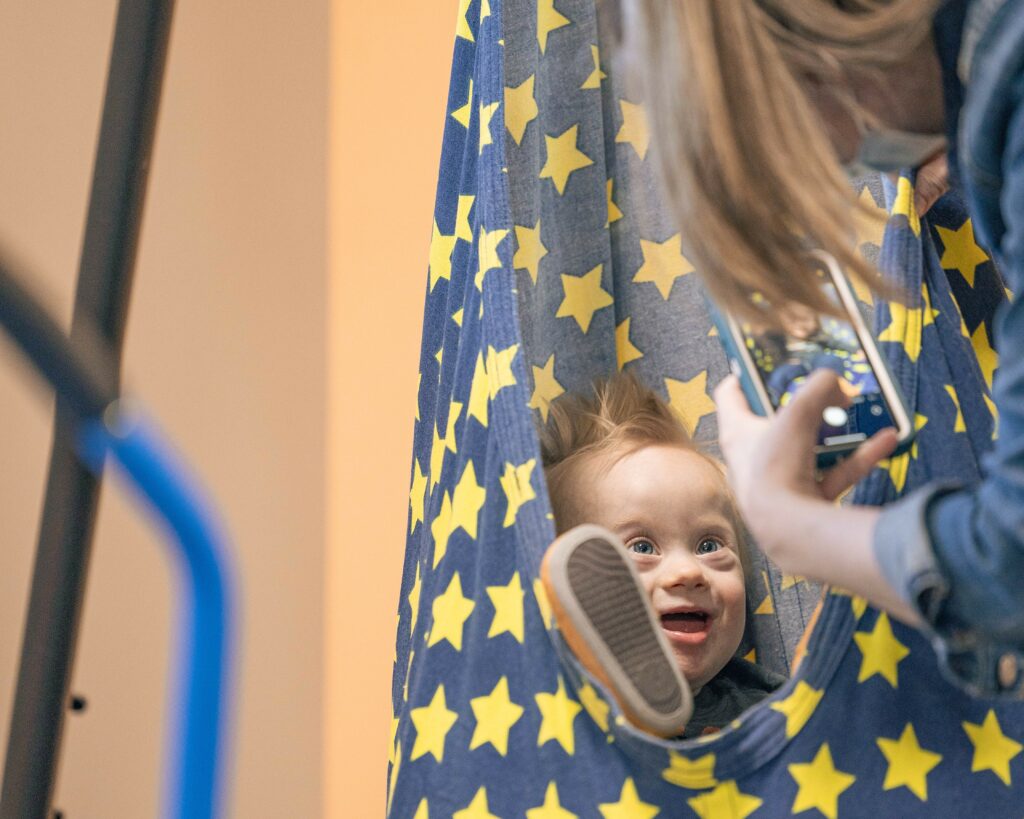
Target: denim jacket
(957,553)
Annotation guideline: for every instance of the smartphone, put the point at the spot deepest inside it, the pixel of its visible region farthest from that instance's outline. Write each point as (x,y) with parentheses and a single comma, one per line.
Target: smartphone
(774,359)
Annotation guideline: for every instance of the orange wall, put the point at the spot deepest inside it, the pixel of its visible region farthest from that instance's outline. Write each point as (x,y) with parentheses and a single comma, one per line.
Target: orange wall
(389,76)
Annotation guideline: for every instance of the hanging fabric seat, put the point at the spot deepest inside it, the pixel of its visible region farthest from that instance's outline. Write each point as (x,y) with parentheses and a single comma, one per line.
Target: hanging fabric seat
(553,262)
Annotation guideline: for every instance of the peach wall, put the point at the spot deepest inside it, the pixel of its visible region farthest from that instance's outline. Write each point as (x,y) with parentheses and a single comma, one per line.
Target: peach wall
(389,73)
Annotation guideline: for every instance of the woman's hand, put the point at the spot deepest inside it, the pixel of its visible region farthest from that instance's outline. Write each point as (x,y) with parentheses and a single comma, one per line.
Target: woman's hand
(784,499)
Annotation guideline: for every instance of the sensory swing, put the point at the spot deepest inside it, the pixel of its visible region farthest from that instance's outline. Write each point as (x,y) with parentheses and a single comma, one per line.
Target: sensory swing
(553,262)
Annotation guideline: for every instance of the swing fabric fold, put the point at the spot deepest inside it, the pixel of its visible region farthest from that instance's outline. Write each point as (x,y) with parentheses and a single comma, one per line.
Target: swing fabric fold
(553,262)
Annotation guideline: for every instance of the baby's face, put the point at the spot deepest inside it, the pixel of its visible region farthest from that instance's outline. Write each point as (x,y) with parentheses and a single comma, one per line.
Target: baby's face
(671,509)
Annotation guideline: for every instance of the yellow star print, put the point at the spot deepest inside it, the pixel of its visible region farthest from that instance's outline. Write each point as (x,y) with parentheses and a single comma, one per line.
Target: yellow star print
(961,252)
(414,600)
(594,80)
(695,774)
(486,115)
(467,501)
(909,763)
(529,250)
(994,413)
(508,608)
(993,750)
(499,369)
(629,806)
(869,223)
(595,706)
(557,711)
(451,611)
(488,249)
(441,247)
(584,296)
(664,262)
(634,128)
(798,707)
(495,715)
(819,783)
(904,204)
(441,529)
(454,411)
(520,108)
(882,651)
(545,387)
(423,811)
(563,157)
(548,19)
(625,350)
(462,114)
(690,399)
(433,722)
(462,28)
(518,490)
(457,316)
(437,450)
(393,778)
(479,392)
(988,359)
(905,328)
(958,424)
(477,809)
(726,801)
(463,230)
(614,214)
(417,495)
(551,808)
(485,10)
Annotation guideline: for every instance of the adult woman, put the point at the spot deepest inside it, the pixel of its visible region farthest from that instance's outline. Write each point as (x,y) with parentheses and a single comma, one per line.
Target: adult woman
(756,105)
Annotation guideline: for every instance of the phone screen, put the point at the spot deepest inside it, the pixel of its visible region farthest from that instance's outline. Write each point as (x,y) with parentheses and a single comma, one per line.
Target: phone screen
(808,341)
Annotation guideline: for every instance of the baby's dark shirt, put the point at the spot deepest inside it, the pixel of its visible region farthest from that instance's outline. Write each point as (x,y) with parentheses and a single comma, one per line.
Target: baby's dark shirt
(734,689)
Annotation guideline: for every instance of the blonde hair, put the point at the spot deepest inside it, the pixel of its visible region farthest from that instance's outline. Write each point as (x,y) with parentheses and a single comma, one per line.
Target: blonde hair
(744,157)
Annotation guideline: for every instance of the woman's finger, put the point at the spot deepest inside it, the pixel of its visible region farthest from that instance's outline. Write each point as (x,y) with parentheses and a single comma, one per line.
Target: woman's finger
(802,417)
(932,182)
(856,467)
(732,405)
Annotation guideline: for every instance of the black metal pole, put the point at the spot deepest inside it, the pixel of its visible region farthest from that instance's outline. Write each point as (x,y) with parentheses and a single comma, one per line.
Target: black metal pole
(109,245)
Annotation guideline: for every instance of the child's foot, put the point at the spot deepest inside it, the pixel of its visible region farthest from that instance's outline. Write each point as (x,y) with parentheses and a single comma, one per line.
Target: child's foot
(603,612)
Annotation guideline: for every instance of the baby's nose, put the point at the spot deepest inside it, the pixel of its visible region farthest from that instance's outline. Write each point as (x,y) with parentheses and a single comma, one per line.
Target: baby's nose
(682,569)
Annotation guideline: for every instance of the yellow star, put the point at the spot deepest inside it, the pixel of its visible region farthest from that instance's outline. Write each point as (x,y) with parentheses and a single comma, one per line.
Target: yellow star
(994,413)
(798,707)
(423,811)
(557,711)
(905,328)
(414,600)
(393,778)
(485,10)
(584,296)
(467,501)
(563,157)
(958,424)
(904,204)
(462,28)
(433,722)
(441,528)
(542,602)
(520,108)
(488,250)
(993,750)
(725,802)
(548,20)
(394,736)
(518,489)
(508,608)
(457,316)
(961,252)
(462,114)
(437,450)
(477,809)
(869,221)
(552,808)
(595,706)
(614,214)
(479,392)
(690,399)
(988,358)
(451,610)
(634,128)
(441,247)
(625,350)
(819,783)
(695,774)
(909,763)
(664,262)
(495,715)
(929,312)
(529,250)
(791,580)
(486,115)
(897,468)
(629,806)
(499,369)
(594,80)
(545,387)
(882,651)
(417,495)
(463,230)
(454,411)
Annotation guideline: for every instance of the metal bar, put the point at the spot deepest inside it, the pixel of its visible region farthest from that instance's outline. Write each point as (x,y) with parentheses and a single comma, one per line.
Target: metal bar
(128,123)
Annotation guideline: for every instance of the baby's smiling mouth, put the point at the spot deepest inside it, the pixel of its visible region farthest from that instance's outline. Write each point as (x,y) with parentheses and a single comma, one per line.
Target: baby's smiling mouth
(690,621)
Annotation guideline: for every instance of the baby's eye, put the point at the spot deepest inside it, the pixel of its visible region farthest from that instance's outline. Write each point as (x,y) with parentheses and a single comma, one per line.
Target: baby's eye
(641,547)
(708,545)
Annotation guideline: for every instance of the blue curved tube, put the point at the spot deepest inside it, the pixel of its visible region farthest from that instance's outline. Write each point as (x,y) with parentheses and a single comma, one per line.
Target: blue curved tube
(193,787)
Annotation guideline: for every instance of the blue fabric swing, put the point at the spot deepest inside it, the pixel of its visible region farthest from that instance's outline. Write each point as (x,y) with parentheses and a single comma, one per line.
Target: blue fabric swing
(553,262)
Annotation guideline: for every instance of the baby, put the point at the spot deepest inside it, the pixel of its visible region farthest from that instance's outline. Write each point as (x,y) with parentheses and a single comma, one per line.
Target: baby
(621,459)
